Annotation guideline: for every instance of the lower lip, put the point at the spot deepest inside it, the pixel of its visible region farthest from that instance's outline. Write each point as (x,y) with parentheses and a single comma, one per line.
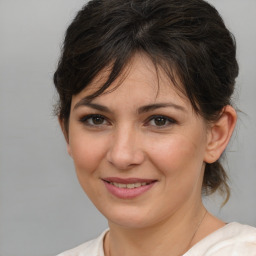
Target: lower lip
(127,193)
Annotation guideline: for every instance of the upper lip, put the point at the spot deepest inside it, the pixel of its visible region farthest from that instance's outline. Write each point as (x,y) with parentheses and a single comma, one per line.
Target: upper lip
(127,180)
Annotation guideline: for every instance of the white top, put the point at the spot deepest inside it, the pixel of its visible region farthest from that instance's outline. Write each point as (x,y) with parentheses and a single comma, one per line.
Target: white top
(234,239)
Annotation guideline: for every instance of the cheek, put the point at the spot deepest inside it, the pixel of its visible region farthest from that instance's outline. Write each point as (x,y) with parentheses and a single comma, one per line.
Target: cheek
(180,164)
(87,151)
(178,156)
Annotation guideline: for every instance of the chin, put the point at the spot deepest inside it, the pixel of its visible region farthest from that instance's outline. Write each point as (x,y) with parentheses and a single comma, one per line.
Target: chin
(130,218)
(130,223)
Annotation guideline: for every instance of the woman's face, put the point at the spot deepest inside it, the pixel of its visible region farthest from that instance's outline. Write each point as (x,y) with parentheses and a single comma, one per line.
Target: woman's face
(139,150)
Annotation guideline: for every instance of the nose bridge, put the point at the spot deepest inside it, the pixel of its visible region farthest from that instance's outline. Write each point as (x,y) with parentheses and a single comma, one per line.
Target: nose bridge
(125,149)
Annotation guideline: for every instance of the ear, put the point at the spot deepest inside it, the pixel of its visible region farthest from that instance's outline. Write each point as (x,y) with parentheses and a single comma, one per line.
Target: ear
(65,133)
(219,134)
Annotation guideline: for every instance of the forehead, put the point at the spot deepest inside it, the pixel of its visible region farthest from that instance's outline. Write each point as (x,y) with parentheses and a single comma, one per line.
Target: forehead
(140,78)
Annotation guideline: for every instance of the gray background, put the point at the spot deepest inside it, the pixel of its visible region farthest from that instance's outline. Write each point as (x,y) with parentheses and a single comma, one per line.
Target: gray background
(43,210)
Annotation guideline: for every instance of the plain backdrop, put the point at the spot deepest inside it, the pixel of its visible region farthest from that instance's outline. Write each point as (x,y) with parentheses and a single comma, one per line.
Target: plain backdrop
(43,210)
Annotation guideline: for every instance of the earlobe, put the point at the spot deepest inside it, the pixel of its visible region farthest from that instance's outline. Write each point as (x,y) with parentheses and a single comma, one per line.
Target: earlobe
(219,134)
(69,149)
(65,133)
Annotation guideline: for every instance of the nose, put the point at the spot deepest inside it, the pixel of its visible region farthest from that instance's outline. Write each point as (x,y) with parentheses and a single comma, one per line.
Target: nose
(125,149)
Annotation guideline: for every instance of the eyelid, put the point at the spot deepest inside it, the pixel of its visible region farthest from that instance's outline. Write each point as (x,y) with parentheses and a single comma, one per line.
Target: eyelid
(170,120)
(84,120)
(106,122)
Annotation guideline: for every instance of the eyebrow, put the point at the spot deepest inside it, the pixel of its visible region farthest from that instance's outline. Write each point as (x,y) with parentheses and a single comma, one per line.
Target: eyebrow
(143,109)
(86,102)
(152,107)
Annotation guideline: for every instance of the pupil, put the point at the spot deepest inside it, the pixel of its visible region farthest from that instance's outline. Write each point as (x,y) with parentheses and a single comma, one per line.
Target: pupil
(160,121)
(97,120)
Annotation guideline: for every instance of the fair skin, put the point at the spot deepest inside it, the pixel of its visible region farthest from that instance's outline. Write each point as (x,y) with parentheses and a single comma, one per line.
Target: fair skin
(145,130)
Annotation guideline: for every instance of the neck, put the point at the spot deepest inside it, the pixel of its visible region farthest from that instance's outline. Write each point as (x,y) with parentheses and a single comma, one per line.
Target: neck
(172,236)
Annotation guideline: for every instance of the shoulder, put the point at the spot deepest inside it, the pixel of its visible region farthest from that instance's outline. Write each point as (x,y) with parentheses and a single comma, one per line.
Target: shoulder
(91,248)
(234,239)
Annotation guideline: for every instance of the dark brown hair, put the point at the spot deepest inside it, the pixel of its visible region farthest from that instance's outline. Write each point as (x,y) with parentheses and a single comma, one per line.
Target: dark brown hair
(185,37)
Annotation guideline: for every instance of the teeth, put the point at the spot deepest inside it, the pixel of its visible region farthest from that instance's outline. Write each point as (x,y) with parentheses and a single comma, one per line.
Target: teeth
(121,185)
(136,185)
(132,185)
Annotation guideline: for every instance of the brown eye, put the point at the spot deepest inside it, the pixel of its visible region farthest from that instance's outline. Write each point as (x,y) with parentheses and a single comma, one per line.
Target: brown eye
(97,120)
(160,121)
(94,120)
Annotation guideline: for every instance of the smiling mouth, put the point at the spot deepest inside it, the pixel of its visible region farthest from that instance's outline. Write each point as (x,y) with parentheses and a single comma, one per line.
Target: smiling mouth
(129,185)
(128,188)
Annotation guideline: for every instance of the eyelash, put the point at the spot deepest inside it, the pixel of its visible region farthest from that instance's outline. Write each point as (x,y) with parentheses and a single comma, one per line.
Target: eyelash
(88,119)
(168,121)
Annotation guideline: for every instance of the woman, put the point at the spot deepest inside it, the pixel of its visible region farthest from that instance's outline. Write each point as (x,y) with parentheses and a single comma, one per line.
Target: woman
(145,109)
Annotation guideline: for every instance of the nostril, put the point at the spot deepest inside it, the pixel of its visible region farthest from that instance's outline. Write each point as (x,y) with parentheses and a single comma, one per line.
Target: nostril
(125,159)
(124,149)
